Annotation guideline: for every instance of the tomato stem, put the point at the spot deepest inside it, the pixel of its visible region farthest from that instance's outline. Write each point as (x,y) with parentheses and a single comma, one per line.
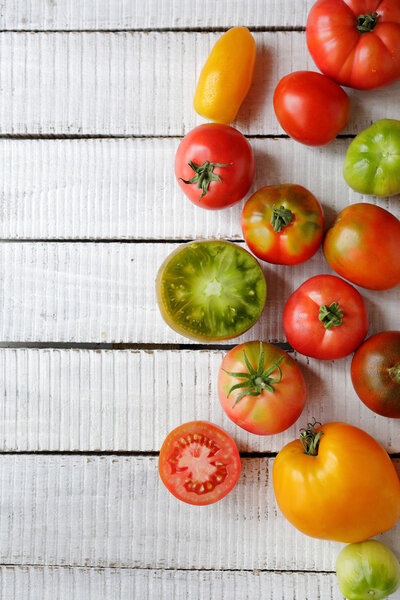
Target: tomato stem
(204,175)
(281,217)
(255,381)
(367,23)
(330,316)
(310,438)
(394,373)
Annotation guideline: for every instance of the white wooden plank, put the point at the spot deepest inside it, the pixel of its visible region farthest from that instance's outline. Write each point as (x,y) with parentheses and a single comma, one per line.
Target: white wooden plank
(136,14)
(114,511)
(65,400)
(126,188)
(86,292)
(64,583)
(120,83)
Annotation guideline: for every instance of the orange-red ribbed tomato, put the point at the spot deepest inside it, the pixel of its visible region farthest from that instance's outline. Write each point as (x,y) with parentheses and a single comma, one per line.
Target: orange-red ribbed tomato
(348,491)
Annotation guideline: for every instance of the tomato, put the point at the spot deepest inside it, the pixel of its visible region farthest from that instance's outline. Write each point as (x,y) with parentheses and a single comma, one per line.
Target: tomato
(210,291)
(325,318)
(199,463)
(261,388)
(283,224)
(372,163)
(214,166)
(367,570)
(356,42)
(337,483)
(226,76)
(362,245)
(310,107)
(375,373)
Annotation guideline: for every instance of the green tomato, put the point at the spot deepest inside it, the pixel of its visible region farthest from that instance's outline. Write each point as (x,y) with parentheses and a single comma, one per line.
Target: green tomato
(367,571)
(372,163)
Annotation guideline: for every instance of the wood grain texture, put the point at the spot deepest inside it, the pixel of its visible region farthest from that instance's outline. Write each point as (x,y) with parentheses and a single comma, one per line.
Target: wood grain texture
(136,14)
(85,292)
(64,583)
(87,400)
(114,512)
(120,83)
(126,188)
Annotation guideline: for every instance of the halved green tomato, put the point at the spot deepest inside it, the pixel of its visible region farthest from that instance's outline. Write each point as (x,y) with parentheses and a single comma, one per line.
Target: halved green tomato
(210,291)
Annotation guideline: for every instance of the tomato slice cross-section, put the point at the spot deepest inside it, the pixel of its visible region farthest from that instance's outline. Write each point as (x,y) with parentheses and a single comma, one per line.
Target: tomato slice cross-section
(199,463)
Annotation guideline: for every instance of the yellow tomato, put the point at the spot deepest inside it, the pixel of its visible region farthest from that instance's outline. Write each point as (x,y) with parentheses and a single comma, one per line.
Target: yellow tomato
(226,76)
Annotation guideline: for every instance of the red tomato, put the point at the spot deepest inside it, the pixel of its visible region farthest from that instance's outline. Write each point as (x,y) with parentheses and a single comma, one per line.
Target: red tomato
(375,373)
(362,245)
(311,108)
(199,463)
(325,318)
(214,165)
(356,42)
(261,388)
(283,224)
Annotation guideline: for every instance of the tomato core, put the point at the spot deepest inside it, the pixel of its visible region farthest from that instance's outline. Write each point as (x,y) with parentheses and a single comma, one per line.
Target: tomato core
(367,23)
(394,373)
(196,455)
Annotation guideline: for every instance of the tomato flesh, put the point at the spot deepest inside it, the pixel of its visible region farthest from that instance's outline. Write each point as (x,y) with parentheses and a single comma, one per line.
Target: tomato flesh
(211,291)
(199,463)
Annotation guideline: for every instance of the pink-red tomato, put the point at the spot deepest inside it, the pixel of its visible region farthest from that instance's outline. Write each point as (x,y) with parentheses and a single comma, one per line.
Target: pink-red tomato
(261,388)
(214,165)
(311,108)
(199,463)
(356,42)
(283,224)
(325,318)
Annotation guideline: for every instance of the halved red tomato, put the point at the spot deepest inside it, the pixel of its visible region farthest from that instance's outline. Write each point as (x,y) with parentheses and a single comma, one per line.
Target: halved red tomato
(199,463)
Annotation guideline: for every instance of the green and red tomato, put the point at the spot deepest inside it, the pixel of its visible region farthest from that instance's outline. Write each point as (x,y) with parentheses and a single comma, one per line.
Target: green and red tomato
(372,162)
(310,107)
(363,246)
(210,290)
(214,165)
(261,388)
(375,373)
(199,463)
(283,224)
(325,318)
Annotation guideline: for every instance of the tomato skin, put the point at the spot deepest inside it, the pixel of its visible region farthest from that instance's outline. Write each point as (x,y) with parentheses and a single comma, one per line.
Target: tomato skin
(362,245)
(226,76)
(221,144)
(360,60)
(311,108)
(349,492)
(307,334)
(372,162)
(270,412)
(213,445)
(375,373)
(295,243)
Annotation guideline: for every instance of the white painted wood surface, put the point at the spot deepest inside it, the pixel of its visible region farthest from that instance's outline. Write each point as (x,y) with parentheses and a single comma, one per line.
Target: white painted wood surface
(74,525)
(143,83)
(113,511)
(64,583)
(128,400)
(126,189)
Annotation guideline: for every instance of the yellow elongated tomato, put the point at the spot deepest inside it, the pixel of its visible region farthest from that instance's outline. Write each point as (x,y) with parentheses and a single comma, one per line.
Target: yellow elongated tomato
(226,76)
(337,483)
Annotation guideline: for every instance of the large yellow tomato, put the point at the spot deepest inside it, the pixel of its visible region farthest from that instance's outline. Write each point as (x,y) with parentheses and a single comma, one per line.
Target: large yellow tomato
(337,483)
(226,76)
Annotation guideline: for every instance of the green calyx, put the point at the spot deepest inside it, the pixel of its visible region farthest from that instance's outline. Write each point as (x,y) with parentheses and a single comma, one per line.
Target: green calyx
(256,380)
(281,217)
(310,438)
(394,373)
(331,315)
(204,175)
(367,23)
